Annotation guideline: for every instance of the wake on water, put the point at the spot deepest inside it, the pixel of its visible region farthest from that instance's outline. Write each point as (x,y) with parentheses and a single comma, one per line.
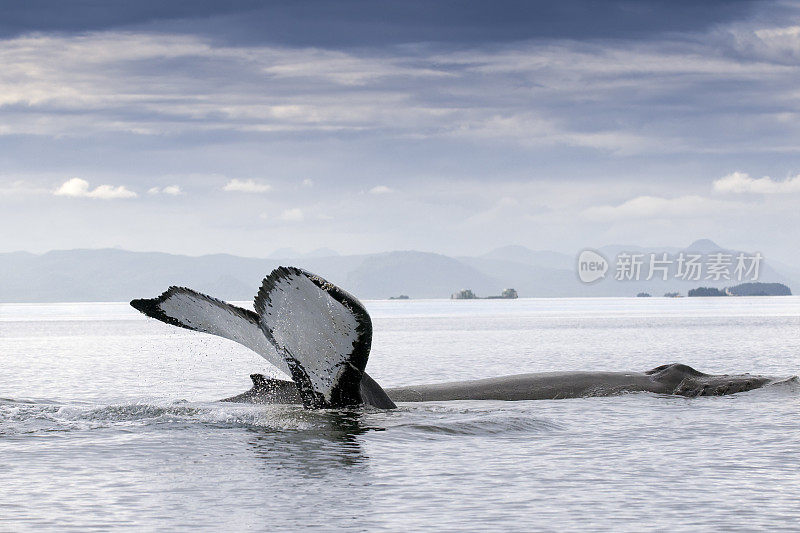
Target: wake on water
(27,417)
(32,417)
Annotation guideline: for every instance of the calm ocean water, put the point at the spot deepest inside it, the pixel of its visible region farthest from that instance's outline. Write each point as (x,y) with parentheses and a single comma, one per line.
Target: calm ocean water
(110,420)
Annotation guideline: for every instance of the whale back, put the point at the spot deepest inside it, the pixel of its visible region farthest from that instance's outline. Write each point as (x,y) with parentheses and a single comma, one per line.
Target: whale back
(684,380)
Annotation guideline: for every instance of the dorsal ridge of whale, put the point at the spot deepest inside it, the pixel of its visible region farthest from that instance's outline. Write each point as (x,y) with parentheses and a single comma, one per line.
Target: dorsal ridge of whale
(674,367)
(259,381)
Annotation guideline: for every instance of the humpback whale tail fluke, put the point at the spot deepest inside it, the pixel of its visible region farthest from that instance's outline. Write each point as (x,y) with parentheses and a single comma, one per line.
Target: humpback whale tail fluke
(306,327)
(323,333)
(190,309)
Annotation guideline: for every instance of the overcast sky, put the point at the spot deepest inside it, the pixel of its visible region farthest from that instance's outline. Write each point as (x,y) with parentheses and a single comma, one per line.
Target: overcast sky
(366,126)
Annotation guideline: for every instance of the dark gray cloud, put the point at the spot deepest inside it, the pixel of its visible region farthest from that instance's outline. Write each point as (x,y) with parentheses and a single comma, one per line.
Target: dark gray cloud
(97,15)
(559,120)
(356,23)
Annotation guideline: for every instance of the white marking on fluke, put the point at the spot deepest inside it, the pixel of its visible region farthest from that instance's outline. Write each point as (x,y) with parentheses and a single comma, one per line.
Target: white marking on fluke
(323,332)
(190,309)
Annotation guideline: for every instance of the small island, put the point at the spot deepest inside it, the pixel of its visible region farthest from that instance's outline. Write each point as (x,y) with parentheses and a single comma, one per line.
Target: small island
(744,289)
(468,294)
(706,291)
(463,294)
(760,289)
(508,294)
(643,295)
(401,297)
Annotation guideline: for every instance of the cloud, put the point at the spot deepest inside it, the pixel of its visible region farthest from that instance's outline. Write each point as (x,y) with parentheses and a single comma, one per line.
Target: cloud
(643,207)
(172,190)
(741,182)
(308,182)
(248,186)
(62,84)
(365,23)
(292,215)
(780,44)
(342,68)
(381,189)
(79,188)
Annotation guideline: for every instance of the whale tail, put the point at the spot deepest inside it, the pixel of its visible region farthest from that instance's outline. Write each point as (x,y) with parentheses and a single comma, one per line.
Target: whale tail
(305,326)
(323,333)
(193,310)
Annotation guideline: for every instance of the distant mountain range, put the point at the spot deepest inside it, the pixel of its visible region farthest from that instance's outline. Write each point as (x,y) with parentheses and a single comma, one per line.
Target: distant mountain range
(119,275)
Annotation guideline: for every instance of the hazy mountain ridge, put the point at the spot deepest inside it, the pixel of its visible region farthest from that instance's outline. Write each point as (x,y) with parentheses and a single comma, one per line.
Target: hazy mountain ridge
(119,275)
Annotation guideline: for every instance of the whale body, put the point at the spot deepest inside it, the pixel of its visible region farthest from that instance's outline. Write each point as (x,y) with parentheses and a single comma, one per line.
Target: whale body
(319,336)
(674,379)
